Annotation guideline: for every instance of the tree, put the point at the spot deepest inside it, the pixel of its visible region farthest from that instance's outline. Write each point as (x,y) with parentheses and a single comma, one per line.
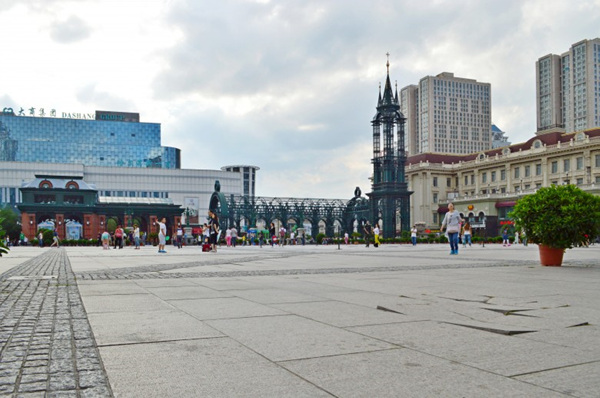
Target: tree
(10,222)
(3,248)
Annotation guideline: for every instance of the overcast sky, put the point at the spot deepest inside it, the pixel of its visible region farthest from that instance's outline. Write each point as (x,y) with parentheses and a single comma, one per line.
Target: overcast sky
(290,86)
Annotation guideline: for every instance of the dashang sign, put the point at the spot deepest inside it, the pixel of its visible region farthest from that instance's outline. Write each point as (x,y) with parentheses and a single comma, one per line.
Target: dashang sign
(44,112)
(98,115)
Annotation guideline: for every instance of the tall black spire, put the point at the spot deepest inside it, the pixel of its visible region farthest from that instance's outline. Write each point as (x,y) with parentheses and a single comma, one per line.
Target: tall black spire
(390,198)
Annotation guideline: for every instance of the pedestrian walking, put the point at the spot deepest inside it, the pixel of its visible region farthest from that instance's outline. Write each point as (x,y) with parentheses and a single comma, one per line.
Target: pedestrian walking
(55,239)
(213,223)
(413,235)
(136,237)
(451,222)
(505,240)
(119,237)
(179,237)
(105,237)
(376,235)
(162,235)
(282,232)
(272,234)
(41,239)
(368,230)
(234,236)
(228,236)
(467,233)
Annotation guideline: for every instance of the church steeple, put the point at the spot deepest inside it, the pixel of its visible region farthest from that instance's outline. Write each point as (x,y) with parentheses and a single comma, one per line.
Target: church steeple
(390,196)
(388,95)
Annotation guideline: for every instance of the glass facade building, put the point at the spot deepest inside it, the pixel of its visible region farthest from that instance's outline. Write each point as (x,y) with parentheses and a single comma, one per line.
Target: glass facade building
(88,142)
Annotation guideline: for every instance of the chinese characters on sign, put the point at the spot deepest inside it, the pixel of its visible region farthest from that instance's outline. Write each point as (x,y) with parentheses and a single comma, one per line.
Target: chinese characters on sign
(41,112)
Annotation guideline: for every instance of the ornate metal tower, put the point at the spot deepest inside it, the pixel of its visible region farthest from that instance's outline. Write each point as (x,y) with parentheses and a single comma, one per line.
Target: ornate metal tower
(390,198)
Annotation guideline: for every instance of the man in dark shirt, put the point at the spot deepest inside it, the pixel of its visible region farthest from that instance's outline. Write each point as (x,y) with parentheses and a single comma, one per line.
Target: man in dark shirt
(368,232)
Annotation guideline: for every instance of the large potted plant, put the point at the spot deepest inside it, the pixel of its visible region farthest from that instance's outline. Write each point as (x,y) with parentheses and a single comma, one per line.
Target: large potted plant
(558,218)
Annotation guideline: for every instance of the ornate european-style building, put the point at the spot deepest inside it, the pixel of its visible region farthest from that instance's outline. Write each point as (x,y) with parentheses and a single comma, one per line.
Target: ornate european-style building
(484,186)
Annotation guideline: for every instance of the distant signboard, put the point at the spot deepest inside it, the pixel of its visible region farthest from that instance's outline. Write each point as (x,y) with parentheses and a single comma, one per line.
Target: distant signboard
(118,116)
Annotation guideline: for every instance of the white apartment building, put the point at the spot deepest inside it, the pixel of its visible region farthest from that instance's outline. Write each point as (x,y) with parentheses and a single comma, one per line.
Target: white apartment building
(447,114)
(568,88)
(484,186)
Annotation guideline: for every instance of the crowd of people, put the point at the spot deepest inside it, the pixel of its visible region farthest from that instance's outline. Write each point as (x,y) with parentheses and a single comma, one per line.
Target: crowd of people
(208,235)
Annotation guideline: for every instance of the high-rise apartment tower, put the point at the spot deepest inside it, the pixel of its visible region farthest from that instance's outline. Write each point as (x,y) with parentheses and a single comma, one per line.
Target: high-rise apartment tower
(568,88)
(447,114)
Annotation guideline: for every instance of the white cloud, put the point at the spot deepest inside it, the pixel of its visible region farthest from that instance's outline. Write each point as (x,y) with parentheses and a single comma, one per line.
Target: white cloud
(69,30)
(289,86)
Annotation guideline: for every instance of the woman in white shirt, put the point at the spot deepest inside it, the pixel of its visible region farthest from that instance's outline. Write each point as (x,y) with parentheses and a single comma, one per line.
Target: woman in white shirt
(452,223)
(376,233)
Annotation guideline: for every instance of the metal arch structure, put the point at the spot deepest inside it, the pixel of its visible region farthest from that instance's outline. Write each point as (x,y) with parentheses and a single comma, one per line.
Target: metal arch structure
(233,209)
(388,201)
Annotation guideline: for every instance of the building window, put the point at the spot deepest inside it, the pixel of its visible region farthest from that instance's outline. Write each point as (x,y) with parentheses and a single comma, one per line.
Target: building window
(597,160)
(435,181)
(579,163)
(44,199)
(472,179)
(538,169)
(73,200)
(503,190)
(566,165)
(435,218)
(448,182)
(502,175)
(554,167)
(517,172)
(45,184)
(466,180)
(493,176)
(580,181)
(435,198)
(527,171)
(483,178)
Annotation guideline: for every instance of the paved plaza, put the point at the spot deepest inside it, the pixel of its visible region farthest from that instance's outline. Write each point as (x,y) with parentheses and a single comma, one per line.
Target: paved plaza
(299,321)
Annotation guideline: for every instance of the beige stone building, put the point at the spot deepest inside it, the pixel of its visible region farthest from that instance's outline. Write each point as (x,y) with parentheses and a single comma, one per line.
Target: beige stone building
(484,186)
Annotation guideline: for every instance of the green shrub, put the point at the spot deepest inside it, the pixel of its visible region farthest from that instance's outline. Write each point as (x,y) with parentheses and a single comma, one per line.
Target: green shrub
(559,216)
(319,238)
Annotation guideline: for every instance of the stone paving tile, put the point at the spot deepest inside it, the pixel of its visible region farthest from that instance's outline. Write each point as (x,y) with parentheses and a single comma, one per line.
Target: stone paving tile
(46,343)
